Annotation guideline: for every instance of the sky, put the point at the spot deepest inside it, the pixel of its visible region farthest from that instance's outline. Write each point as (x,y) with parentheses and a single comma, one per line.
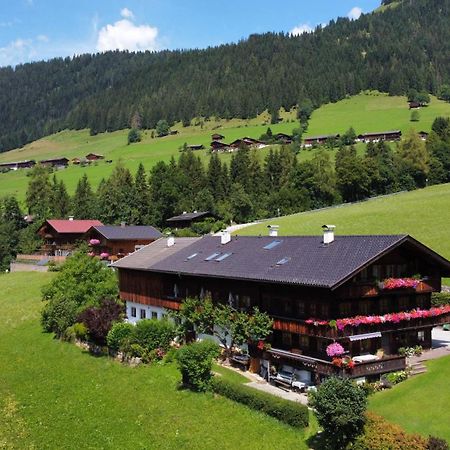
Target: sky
(32,30)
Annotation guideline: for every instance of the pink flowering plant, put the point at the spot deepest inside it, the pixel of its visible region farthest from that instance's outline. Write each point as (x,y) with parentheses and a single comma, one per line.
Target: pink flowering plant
(104,255)
(94,242)
(400,283)
(340,324)
(335,349)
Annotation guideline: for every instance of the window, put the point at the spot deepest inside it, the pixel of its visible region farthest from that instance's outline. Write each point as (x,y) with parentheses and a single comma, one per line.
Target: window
(133,311)
(154,315)
(191,256)
(286,338)
(211,257)
(403,302)
(384,305)
(272,245)
(222,257)
(312,309)
(287,306)
(283,261)
(364,308)
(143,314)
(324,311)
(421,336)
(301,307)
(304,341)
(345,309)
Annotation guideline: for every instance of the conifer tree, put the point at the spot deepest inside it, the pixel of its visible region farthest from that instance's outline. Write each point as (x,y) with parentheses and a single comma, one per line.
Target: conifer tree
(84,205)
(39,193)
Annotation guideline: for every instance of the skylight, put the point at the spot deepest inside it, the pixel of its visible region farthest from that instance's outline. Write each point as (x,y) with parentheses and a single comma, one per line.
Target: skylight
(272,245)
(191,256)
(224,256)
(283,261)
(211,257)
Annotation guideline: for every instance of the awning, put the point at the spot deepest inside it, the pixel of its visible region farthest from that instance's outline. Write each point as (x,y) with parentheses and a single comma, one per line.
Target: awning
(360,337)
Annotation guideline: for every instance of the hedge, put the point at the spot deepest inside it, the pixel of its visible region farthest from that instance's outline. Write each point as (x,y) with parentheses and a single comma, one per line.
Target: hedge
(292,413)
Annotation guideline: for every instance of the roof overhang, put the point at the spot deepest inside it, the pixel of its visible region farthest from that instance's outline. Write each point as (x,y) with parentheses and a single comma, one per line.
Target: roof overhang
(361,337)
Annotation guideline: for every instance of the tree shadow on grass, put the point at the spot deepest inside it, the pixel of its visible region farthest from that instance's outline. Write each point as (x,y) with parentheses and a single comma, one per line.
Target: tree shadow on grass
(318,442)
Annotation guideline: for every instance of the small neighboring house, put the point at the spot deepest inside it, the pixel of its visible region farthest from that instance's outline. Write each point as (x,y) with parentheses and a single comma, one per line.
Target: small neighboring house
(195,147)
(414,105)
(94,157)
(55,162)
(76,161)
(27,164)
(61,236)
(284,138)
(217,137)
(360,291)
(319,140)
(394,135)
(423,135)
(247,142)
(121,240)
(217,146)
(186,219)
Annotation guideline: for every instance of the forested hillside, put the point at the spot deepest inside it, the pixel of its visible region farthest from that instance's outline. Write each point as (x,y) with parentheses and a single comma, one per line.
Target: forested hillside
(401,48)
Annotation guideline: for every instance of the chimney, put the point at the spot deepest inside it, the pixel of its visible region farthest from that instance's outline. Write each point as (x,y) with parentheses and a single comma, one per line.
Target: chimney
(328,233)
(70,217)
(170,241)
(122,224)
(273,230)
(225,237)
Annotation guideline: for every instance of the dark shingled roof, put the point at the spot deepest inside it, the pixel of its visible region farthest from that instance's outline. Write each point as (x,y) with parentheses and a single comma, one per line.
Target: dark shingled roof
(129,232)
(188,216)
(300,260)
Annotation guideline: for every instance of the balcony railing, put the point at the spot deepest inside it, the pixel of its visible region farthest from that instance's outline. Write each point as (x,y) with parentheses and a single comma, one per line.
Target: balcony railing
(322,367)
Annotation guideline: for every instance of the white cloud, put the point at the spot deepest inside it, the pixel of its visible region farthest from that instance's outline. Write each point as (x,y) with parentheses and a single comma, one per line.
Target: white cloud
(42,38)
(125,35)
(354,13)
(15,51)
(300,29)
(127,14)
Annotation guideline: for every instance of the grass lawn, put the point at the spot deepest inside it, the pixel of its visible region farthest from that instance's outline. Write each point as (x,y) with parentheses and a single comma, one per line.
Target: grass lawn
(424,214)
(54,395)
(420,404)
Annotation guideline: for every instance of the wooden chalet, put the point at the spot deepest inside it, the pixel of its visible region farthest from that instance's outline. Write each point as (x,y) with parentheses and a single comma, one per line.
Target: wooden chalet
(217,137)
(61,236)
(414,105)
(247,142)
(55,162)
(319,140)
(423,135)
(195,147)
(27,164)
(355,290)
(94,157)
(115,242)
(217,146)
(283,138)
(394,135)
(186,219)
(76,161)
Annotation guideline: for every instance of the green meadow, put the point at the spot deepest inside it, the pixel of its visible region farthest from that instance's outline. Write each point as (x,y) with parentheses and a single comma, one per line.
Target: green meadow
(365,112)
(424,214)
(55,395)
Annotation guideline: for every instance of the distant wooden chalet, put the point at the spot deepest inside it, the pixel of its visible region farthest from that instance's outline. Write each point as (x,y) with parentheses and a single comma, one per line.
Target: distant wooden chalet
(94,157)
(217,137)
(186,219)
(61,236)
(114,242)
(360,291)
(247,142)
(414,105)
(55,162)
(217,146)
(195,147)
(27,164)
(394,135)
(76,161)
(283,138)
(423,135)
(319,140)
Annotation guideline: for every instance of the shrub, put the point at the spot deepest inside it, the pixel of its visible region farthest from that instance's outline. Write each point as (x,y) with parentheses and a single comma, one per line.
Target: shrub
(440,298)
(76,331)
(118,332)
(379,434)
(171,355)
(99,320)
(340,405)
(134,135)
(396,377)
(195,362)
(292,413)
(435,443)
(153,334)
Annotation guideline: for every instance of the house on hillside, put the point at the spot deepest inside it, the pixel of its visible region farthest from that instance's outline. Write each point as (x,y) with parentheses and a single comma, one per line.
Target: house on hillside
(119,241)
(186,219)
(217,146)
(217,137)
(61,236)
(371,294)
(195,147)
(319,140)
(94,157)
(394,135)
(247,142)
(27,164)
(76,161)
(283,138)
(414,105)
(57,163)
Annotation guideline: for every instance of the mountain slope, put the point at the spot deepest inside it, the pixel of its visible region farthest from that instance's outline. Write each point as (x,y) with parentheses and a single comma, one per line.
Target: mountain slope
(403,47)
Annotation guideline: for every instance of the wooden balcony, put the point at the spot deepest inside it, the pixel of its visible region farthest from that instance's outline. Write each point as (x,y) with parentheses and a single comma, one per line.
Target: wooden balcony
(326,368)
(300,327)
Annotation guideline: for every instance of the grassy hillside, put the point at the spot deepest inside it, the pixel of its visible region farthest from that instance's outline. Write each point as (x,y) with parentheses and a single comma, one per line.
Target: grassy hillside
(365,112)
(424,214)
(54,395)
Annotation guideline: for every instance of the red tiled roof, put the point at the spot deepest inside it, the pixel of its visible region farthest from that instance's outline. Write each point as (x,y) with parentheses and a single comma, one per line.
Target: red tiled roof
(73,226)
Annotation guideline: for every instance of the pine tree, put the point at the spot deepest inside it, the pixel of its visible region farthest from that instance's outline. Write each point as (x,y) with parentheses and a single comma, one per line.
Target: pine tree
(141,202)
(39,193)
(84,204)
(60,206)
